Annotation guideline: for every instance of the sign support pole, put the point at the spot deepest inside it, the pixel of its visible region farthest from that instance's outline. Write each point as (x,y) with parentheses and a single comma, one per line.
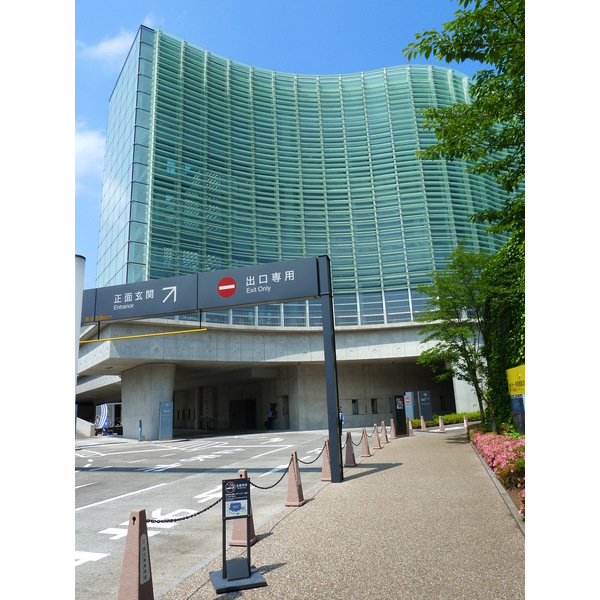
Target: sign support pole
(331,382)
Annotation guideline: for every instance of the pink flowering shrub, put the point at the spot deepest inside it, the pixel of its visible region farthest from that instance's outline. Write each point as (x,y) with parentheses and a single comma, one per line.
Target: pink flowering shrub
(505,455)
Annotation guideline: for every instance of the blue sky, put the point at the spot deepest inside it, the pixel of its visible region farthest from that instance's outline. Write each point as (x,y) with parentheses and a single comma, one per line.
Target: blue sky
(309,37)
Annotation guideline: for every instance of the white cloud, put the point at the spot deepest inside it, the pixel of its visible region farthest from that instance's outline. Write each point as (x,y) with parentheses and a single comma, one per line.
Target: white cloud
(110,52)
(89,155)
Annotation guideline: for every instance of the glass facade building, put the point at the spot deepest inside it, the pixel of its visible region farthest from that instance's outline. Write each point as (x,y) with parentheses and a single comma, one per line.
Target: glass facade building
(212,164)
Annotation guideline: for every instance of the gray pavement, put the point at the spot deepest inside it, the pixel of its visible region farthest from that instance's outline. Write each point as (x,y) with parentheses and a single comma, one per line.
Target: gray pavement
(420,518)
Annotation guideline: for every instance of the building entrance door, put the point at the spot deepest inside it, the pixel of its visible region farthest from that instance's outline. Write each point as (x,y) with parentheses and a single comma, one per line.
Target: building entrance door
(242,414)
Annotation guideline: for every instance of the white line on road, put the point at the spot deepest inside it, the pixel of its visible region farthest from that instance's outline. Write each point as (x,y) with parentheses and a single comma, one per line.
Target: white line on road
(85,485)
(270,452)
(279,468)
(119,497)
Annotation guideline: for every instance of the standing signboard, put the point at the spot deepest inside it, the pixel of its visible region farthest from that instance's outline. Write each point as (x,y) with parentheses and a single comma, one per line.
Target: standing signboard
(237,574)
(165,427)
(425,408)
(516,390)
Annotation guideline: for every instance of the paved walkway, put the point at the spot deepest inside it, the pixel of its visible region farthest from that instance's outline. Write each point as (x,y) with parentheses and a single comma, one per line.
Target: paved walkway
(420,518)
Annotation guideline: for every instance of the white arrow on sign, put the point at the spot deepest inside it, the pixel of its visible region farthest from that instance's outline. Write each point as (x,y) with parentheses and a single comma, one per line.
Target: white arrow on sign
(173,293)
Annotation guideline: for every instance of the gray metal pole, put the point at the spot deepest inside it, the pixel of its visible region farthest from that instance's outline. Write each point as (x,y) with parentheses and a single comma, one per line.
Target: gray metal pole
(331,382)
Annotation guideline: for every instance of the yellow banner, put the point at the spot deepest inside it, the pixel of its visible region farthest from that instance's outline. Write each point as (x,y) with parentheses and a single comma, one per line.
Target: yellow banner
(516,380)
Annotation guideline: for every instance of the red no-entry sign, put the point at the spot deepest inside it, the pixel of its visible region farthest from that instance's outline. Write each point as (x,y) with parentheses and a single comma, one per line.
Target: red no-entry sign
(226,287)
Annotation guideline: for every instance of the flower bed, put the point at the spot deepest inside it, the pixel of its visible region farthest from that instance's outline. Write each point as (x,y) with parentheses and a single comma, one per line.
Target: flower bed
(505,455)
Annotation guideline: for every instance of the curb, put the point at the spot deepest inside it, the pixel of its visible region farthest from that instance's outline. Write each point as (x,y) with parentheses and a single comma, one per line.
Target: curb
(507,500)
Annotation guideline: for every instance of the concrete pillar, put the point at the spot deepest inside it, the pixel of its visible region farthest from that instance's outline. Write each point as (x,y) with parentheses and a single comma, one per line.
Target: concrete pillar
(143,388)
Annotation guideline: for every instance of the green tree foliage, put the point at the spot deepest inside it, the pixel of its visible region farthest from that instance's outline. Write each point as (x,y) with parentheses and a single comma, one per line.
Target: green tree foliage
(488,133)
(458,297)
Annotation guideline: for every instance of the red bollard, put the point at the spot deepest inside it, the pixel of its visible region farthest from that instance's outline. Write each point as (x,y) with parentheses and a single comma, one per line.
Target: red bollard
(364,449)
(239,535)
(350,460)
(376,442)
(384,438)
(326,469)
(136,572)
(295,496)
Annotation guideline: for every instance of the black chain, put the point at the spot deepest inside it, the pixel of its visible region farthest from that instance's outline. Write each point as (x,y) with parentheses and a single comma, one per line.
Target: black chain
(184,518)
(310,462)
(279,481)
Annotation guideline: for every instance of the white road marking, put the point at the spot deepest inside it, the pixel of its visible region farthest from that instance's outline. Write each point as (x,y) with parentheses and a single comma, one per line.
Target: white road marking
(119,497)
(270,452)
(279,468)
(211,494)
(83,557)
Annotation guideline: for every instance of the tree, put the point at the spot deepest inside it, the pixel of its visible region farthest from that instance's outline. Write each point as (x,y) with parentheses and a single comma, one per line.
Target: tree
(488,133)
(456,322)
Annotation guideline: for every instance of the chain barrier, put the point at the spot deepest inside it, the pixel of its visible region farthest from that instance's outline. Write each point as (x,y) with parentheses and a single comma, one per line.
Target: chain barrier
(310,462)
(370,435)
(184,518)
(277,482)
(177,520)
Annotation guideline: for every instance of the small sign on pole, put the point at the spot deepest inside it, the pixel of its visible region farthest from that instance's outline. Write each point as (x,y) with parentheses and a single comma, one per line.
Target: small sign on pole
(237,574)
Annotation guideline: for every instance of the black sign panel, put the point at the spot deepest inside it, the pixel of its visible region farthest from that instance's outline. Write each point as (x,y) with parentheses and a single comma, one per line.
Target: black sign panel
(152,298)
(236,498)
(259,284)
(247,286)
(88,308)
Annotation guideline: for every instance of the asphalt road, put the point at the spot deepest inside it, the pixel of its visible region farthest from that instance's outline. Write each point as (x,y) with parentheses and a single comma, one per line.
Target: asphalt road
(174,479)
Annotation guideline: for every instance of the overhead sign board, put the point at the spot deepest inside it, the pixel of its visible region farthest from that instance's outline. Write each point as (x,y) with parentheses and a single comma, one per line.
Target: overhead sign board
(152,298)
(246,286)
(259,284)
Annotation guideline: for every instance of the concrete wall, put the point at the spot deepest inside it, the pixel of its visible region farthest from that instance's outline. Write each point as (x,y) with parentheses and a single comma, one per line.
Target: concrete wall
(466,399)
(85,428)
(269,366)
(142,390)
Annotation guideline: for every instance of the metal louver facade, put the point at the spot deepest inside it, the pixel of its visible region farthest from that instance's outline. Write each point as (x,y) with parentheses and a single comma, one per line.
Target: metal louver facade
(212,164)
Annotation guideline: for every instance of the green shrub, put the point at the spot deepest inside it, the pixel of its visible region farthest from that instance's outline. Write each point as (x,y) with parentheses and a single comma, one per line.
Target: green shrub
(449,419)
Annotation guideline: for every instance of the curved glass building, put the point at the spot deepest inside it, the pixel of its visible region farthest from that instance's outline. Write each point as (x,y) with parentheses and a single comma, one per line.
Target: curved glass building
(212,164)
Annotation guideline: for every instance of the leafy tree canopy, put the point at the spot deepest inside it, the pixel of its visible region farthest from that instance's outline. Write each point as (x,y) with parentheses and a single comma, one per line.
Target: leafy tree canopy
(488,133)
(458,297)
